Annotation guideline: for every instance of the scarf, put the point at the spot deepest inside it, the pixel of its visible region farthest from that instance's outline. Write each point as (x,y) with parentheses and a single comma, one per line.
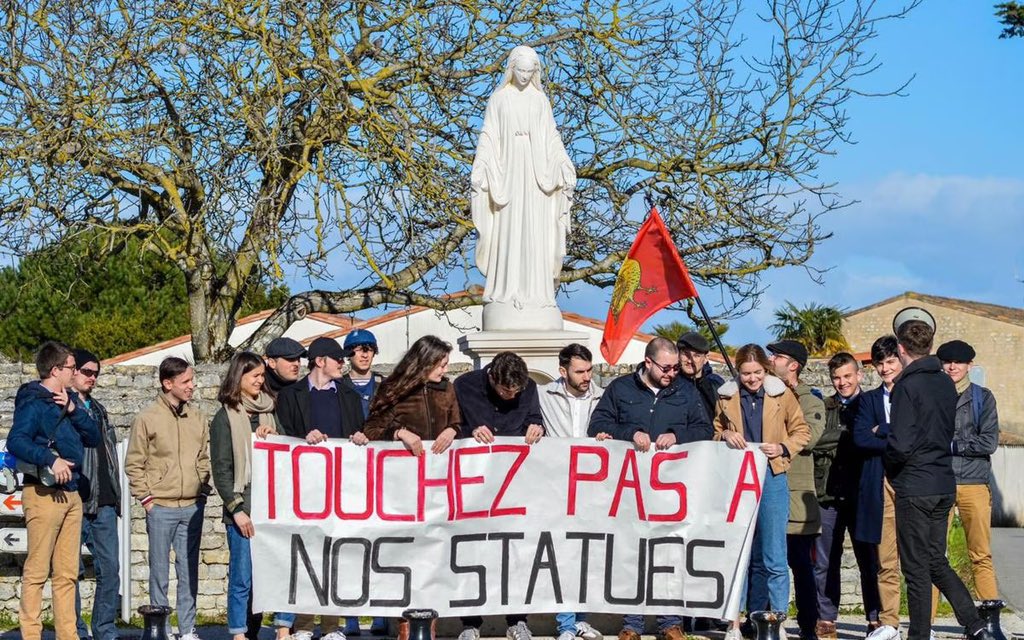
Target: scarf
(962,385)
(241,434)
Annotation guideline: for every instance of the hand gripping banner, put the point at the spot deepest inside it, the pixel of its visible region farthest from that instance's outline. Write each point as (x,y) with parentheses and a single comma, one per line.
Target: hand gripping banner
(563,525)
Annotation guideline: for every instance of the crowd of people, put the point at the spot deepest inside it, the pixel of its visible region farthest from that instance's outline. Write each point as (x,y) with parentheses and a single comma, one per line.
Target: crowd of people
(885,466)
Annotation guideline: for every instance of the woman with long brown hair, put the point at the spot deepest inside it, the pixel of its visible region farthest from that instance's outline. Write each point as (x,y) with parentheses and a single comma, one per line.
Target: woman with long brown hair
(417,402)
(757,407)
(246,409)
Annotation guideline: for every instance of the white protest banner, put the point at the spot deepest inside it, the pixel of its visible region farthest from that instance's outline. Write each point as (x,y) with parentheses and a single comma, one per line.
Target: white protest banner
(563,525)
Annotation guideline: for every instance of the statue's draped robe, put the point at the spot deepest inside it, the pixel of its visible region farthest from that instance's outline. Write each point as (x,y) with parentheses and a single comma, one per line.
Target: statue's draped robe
(522,188)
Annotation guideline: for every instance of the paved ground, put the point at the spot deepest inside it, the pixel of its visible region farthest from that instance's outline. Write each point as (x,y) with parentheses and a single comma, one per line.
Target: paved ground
(1007,551)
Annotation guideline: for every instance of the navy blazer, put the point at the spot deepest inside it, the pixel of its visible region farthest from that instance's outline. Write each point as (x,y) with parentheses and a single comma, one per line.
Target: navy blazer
(867,525)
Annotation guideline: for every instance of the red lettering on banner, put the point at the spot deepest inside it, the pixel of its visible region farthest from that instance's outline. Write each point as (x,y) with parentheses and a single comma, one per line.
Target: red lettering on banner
(575,477)
(742,484)
(381,458)
(368,487)
(271,448)
(422,483)
(523,450)
(461,480)
(297,453)
(629,467)
(676,487)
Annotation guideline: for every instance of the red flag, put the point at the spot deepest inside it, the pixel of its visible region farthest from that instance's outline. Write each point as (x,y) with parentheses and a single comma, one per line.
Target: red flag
(651,277)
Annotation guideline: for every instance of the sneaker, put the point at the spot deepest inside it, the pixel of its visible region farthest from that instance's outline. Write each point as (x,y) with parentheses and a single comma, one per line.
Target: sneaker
(587,632)
(337,634)
(567,635)
(733,634)
(518,632)
(301,635)
(189,636)
(469,633)
(932,636)
(884,632)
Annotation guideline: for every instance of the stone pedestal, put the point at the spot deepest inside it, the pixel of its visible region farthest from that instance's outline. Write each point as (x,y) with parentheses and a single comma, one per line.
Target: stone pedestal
(538,348)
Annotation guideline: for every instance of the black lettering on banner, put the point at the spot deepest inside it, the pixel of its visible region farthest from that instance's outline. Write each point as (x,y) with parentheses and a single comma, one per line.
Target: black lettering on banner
(505,537)
(364,580)
(584,539)
(654,569)
(397,570)
(609,579)
(545,549)
(319,583)
(718,577)
(479,569)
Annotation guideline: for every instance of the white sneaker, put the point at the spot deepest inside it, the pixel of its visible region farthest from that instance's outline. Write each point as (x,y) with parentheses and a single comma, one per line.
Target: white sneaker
(518,632)
(733,634)
(933,636)
(189,636)
(337,634)
(567,635)
(587,632)
(470,633)
(884,632)
(301,635)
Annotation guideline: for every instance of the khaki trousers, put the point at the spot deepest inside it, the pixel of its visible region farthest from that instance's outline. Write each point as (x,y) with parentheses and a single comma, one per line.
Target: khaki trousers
(53,518)
(889,562)
(328,624)
(974,503)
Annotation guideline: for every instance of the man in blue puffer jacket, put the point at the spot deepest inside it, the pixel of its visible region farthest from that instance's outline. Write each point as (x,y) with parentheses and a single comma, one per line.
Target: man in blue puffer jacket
(50,431)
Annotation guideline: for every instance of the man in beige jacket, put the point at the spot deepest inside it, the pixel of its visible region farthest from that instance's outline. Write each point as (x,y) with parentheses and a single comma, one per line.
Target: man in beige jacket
(168,469)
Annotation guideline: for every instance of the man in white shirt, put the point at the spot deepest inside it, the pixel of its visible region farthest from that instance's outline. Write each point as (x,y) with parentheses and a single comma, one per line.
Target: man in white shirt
(566,405)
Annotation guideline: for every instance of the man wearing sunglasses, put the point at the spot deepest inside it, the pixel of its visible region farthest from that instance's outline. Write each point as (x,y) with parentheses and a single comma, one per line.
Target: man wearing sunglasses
(652,405)
(100,488)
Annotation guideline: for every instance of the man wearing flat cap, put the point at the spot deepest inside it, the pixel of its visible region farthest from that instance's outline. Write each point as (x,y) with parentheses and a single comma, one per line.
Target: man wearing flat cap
(282,358)
(975,438)
(788,359)
(694,367)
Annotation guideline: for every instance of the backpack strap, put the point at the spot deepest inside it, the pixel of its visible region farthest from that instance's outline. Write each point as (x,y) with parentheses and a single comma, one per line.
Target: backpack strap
(977,401)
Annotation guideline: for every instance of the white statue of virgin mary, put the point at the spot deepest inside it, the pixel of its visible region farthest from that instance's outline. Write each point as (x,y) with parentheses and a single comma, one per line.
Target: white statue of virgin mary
(523,182)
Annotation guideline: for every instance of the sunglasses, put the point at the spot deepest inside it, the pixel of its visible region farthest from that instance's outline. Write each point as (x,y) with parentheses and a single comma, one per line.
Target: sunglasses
(89,373)
(666,368)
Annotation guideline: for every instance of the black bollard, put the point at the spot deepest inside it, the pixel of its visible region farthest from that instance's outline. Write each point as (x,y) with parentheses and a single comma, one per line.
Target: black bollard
(417,624)
(989,612)
(154,625)
(768,624)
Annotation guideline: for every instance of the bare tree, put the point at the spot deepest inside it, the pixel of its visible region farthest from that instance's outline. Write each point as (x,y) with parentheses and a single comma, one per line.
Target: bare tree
(238,137)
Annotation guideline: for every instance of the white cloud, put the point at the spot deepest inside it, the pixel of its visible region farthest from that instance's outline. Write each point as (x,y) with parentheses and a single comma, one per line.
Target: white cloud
(987,198)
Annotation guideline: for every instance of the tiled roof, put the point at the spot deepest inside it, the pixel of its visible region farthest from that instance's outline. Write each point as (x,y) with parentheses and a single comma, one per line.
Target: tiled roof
(1010,315)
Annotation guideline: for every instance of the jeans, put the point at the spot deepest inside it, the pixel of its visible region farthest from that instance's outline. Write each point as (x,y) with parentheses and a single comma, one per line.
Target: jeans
(836,520)
(180,527)
(800,555)
(921,537)
(284,620)
(567,621)
(634,622)
(99,534)
(768,576)
(239,580)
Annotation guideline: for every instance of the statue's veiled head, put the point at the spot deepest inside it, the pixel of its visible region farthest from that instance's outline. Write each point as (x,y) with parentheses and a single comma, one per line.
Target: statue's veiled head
(523,68)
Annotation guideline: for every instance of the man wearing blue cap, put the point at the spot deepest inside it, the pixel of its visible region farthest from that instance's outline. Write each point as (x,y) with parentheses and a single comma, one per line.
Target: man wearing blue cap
(362,345)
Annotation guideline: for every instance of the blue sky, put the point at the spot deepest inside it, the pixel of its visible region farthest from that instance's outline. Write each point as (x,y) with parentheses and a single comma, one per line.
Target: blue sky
(938,176)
